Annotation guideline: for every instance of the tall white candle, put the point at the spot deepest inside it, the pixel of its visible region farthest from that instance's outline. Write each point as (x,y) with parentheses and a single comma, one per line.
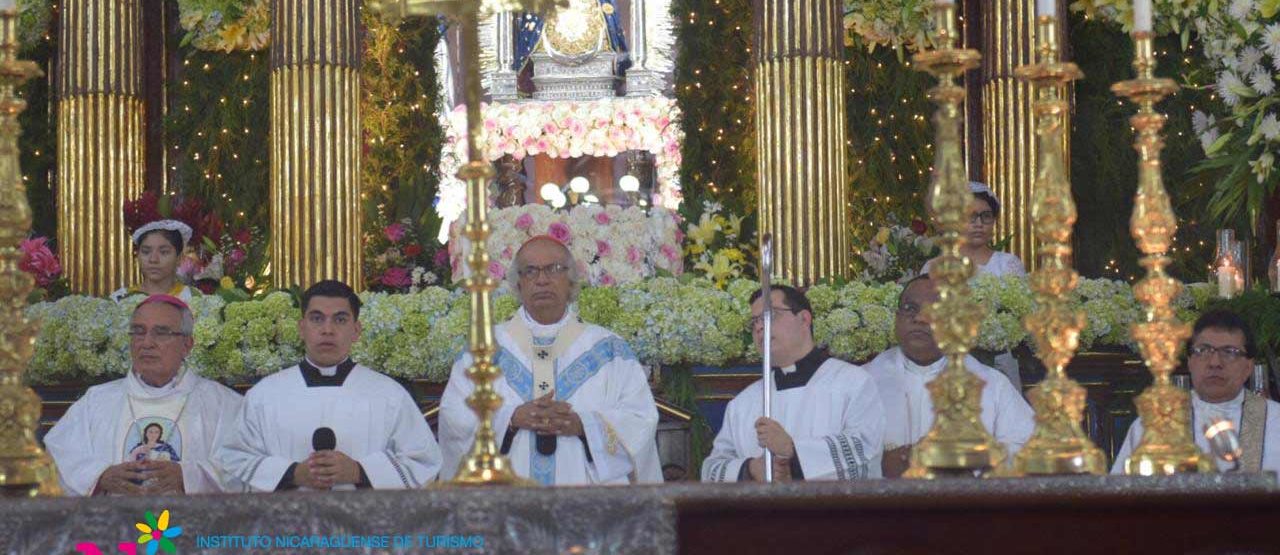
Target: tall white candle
(1047,8)
(1141,16)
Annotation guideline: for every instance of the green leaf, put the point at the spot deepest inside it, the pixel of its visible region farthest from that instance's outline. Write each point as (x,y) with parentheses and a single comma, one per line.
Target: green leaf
(167,546)
(1268,8)
(1217,145)
(151,519)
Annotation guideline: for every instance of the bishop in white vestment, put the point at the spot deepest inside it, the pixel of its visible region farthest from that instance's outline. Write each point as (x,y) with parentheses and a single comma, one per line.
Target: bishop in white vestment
(329,423)
(827,418)
(576,406)
(902,374)
(1220,361)
(153,431)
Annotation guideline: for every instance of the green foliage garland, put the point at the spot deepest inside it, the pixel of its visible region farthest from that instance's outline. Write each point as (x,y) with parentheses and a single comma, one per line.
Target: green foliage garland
(713,90)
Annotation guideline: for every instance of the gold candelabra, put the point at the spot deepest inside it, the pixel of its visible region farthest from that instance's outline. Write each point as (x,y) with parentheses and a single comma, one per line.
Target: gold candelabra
(958,443)
(484,465)
(25,469)
(1058,445)
(1166,446)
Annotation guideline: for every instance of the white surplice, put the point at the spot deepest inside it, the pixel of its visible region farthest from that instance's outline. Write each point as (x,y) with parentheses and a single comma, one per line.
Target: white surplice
(830,409)
(598,375)
(1206,412)
(95,433)
(909,409)
(374,420)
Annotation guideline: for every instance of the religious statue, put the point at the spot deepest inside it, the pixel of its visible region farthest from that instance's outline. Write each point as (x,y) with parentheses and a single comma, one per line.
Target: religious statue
(510,183)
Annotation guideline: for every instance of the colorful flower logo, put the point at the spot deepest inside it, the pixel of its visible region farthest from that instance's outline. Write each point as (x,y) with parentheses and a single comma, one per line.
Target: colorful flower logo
(156,533)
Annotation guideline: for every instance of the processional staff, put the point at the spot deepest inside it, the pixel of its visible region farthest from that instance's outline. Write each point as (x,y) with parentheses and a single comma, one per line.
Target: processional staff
(766,316)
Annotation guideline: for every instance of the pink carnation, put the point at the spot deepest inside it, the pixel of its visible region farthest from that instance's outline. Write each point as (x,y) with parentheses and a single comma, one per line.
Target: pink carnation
(397,277)
(497,270)
(524,222)
(39,261)
(560,232)
(634,256)
(603,248)
(606,280)
(603,218)
(394,232)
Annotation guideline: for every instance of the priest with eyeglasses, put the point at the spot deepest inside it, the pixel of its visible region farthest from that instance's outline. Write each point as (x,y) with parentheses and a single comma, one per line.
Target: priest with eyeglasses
(576,406)
(1220,358)
(153,431)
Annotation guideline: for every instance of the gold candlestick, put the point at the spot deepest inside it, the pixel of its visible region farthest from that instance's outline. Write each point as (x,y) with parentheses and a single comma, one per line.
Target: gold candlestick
(1166,446)
(485,464)
(1058,445)
(25,469)
(958,443)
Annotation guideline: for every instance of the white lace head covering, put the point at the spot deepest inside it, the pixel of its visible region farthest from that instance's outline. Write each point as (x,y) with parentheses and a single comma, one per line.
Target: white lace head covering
(168,225)
(979,188)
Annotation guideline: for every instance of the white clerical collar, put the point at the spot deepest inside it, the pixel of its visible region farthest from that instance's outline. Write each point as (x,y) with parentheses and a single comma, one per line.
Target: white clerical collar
(925,371)
(548,330)
(326,371)
(788,369)
(1230,407)
(141,389)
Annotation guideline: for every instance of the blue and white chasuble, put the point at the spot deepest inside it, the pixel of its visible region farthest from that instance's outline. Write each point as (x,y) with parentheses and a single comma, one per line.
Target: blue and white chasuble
(598,375)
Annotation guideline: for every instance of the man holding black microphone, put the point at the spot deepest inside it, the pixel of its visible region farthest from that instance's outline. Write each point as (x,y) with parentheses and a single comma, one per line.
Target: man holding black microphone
(329,423)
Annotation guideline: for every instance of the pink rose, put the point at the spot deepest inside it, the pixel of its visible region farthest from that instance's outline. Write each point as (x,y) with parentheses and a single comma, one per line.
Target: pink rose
(560,232)
(497,270)
(524,222)
(603,218)
(670,252)
(506,253)
(189,267)
(394,232)
(397,277)
(634,256)
(603,248)
(39,261)
(606,280)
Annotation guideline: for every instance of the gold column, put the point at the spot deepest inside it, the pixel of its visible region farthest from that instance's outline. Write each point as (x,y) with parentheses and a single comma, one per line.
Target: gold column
(25,469)
(315,142)
(100,139)
(800,137)
(1009,121)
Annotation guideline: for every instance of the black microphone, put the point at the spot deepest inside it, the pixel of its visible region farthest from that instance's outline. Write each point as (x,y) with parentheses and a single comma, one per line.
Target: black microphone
(324,439)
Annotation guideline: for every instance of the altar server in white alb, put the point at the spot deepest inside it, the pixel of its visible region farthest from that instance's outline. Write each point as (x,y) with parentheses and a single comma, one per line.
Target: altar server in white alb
(329,423)
(1220,359)
(576,407)
(901,373)
(153,431)
(827,419)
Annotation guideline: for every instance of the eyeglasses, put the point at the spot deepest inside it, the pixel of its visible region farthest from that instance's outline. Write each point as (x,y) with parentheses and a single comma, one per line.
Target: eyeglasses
(755,320)
(159,335)
(1226,354)
(987,218)
(551,270)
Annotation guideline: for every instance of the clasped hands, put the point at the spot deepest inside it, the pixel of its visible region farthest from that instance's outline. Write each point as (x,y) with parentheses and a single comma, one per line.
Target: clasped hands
(141,478)
(771,436)
(325,469)
(547,416)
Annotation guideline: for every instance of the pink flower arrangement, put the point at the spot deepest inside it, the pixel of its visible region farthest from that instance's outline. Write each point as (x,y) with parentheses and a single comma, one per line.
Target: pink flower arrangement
(39,261)
(497,270)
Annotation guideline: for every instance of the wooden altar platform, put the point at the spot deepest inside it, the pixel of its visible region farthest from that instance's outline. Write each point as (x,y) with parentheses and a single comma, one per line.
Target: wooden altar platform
(1109,514)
